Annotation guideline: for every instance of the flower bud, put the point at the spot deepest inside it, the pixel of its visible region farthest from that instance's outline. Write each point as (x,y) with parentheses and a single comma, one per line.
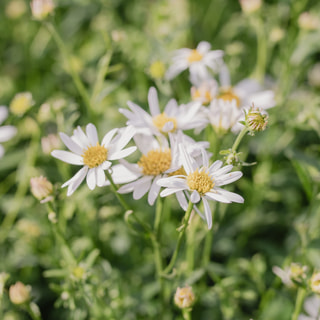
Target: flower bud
(297,272)
(157,70)
(50,143)
(308,21)
(315,282)
(21,103)
(255,120)
(41,8)
(41,188)
(19,293)
(250,6)
(184,297)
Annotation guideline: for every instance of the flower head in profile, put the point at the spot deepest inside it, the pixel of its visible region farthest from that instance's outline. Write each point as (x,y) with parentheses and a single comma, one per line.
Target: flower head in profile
(199,61)
(41,8)
(184,297)
(174,117)
(6,132)
(201,183)
(86,151)
(205,91)
(291,275)
(19,293)
(41,188)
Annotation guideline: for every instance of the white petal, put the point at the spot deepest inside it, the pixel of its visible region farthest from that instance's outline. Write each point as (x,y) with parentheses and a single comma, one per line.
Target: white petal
(135,184)
(122,153)
(143,188)
(168,191)
(153,101)
(182,200)
(171,107)
(207,212)
(3,113)
(75,181)
(1,151)
(228,178)
(80,137)
(101,177)
(172,182)
(91,178)
(188,163)
(195,196)
(71,145)
(217,197)
(203,47)
(121,174)
(154,191)
(231,196)
(168,126)
(106,165)
(223,170)
(312,306)
(68,157)
(108,137)
(215,166)
(92,134)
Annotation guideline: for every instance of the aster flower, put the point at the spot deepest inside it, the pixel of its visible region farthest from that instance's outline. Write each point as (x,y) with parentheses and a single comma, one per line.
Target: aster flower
(294,273)
(198,61)
(6,132)
(156,162)
(312,309)
(205,91)
(201,183)
(174,117)
(86,151)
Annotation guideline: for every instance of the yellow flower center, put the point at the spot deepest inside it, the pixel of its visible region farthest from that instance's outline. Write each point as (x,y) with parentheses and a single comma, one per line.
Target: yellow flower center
(200,181)
(194,56)
(157,70)
(161,119)
(206,96)
(229,95)
(94,156)
(155,162)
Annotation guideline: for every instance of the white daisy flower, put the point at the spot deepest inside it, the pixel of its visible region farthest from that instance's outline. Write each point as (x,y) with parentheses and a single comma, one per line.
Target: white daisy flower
(6,132)
(174,117)
(86,151)
(201,183)
(198,61)
(157,161)
(223,115)
(204,92)
(312,309)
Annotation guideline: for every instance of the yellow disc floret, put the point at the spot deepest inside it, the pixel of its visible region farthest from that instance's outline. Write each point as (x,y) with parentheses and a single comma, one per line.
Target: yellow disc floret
(194,56)
(155,162)
(161,119)
(94,156)
(229,95)
(200,181)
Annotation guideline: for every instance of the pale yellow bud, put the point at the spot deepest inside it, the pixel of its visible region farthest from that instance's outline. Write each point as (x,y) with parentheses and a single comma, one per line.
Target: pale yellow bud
(308,21)
(41,8)
(21,103)
(255,120)
(184,297)
(315,282)
(19,293)
(41,188)
(250,6)
(50,143)
(297,272)
(15,9)
(157,70)
(276,35)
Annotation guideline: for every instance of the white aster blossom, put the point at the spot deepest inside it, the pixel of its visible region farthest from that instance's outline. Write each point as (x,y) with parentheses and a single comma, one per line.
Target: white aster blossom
(157,161)
(205,91)
(312,309)
(201,183)
(6,132)
(199,61)
(174,118)
(86,151)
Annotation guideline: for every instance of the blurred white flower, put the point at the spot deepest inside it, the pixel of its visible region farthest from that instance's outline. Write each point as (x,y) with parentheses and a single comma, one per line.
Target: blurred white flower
(41,8)
(174,117)
(95,158)
(308,21)
(204,92)
(312,309)
(249,6)
(295,271)
(198,61)
(6,132)
(201,183)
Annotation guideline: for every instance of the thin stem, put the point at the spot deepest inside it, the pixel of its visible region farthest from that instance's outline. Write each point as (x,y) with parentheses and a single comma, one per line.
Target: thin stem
(33,311)
(186,313)
(299,303)
(239,138)
(70,66)
(182,230)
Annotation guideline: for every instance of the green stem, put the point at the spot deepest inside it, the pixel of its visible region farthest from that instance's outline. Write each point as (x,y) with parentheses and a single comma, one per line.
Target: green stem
(33,311)
(239,138)
(299,303)
(182,230)
(186,313)
(88,111)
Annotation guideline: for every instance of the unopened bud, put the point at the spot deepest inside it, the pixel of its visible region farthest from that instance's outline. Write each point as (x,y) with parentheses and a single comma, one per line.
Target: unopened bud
(308,21)
(157,70)
(184,297)
(19,293)
(41,8)
(41,188)
(297,272)
(249,6)
(255,120)
(21,103)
